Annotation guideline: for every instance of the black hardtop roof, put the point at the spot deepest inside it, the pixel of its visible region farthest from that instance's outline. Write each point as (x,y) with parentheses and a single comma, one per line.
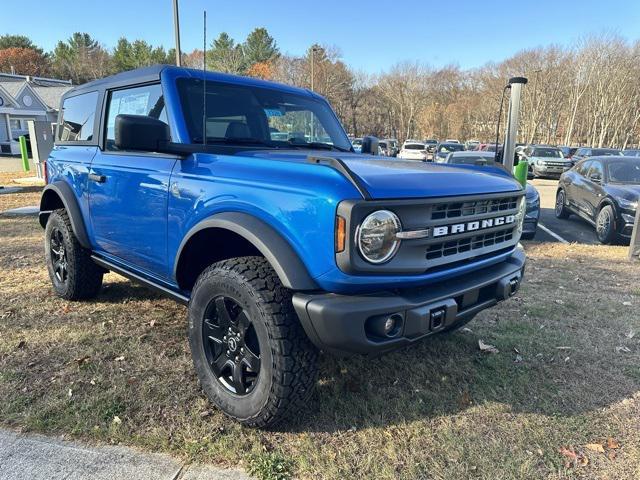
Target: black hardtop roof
(152,73)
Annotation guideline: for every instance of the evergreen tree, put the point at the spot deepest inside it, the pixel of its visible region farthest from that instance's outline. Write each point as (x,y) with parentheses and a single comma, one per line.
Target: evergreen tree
(226,56)
(260,47)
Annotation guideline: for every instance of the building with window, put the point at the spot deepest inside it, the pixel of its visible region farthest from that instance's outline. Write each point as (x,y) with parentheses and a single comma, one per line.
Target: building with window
(24,98)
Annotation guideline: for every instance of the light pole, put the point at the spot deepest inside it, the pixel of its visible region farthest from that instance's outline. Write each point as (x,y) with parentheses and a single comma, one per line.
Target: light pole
(176,26)
(314,49)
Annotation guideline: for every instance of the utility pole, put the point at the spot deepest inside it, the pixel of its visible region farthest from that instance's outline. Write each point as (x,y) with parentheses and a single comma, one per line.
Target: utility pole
(176,26)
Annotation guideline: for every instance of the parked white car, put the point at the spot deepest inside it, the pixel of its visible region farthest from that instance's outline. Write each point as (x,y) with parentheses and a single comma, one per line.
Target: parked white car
(412,150)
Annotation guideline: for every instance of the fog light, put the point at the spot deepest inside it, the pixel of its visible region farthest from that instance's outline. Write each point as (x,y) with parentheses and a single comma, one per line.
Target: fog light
(385,326)
(390,324)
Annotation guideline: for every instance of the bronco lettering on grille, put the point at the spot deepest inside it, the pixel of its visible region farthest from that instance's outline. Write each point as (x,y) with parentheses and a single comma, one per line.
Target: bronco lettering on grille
(471,226)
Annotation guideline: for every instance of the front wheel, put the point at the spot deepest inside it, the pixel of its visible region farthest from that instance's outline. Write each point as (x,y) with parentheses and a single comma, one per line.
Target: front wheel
(250,352)
(561,207)
(606,225)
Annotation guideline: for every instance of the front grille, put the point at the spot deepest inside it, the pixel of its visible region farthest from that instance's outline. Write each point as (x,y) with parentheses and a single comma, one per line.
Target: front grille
(460,230)
(478,207)
(454,247)
(554,164)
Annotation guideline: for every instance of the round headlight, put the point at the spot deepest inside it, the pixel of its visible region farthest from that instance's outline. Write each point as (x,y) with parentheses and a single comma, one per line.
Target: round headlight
(376,236)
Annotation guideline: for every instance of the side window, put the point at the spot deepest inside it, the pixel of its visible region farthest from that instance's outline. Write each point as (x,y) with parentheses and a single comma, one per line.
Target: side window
(596,170)
(584,168)
(146,100)
(77,118)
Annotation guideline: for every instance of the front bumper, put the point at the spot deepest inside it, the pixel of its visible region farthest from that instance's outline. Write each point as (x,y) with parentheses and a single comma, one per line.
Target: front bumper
(626,223)
(549,170)
(344,324)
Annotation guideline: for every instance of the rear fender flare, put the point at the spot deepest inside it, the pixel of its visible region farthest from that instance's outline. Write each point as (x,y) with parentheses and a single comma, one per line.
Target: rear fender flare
(49,202)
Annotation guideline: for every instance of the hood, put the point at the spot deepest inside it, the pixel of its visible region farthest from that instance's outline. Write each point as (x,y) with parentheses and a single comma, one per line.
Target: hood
(386,177)
(628,192)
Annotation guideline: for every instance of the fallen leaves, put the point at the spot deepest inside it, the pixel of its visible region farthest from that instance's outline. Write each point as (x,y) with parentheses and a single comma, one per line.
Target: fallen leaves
(595,447)
(486,348)
(575,457)
(612,443)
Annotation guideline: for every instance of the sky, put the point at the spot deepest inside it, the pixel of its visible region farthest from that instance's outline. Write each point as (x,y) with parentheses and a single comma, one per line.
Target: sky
(371,35)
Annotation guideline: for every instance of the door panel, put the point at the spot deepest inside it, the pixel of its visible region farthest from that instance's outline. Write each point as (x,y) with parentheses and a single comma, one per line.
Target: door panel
(128,196)
(592,193)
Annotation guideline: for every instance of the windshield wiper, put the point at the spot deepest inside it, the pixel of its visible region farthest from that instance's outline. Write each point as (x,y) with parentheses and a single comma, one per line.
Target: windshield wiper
(320,146)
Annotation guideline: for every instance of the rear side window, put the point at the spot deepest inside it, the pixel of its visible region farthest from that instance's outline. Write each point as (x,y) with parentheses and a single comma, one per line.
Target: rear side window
(146,100)
(77,118)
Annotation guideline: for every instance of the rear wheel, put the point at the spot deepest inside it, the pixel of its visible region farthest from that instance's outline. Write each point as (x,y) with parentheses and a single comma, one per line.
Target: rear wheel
(252,357)
(561,207)
(606,225)
(73,274)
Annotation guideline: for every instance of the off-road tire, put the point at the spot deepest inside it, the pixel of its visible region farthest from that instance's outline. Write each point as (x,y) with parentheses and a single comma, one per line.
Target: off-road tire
(561,209)
(288,360)
(83,277)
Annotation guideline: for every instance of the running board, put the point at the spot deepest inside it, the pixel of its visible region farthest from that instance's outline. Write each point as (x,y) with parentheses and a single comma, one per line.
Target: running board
(167,292)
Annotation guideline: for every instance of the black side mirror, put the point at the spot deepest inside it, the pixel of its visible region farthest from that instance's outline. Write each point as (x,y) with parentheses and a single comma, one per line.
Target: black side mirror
(595,178)
(139,132)
(369,146)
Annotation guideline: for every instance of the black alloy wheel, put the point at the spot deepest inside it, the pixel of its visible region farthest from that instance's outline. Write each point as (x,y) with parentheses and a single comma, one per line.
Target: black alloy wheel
(58,257)
(231,345)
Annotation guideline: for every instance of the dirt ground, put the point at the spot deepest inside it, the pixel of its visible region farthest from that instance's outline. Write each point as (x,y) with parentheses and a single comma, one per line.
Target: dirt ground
(559,399)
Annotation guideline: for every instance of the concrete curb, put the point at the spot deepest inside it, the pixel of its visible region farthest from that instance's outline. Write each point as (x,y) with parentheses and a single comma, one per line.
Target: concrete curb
(35,457)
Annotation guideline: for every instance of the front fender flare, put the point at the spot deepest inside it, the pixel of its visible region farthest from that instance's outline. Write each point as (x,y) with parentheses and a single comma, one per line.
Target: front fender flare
(64,192)
(279,253)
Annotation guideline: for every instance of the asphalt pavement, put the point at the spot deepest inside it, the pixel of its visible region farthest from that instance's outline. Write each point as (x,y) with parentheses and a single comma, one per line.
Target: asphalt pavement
(552,229)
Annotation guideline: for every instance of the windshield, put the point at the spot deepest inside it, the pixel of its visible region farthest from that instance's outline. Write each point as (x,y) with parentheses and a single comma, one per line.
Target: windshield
(450,147)
(624,171)
(605,152)
(414,146)
(547,152)
(254,115)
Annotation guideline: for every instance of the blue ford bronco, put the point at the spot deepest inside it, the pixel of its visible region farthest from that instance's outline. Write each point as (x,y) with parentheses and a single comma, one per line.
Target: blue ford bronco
(244,200)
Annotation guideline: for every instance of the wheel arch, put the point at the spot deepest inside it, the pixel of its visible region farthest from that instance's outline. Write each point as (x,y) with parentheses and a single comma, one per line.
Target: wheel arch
(60,195)
(240,234)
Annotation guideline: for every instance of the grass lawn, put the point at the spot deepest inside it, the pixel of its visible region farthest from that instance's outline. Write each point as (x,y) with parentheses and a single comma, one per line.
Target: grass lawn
(560,400)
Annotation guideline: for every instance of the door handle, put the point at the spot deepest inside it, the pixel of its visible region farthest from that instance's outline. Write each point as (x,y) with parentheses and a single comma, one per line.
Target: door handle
(97,178)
